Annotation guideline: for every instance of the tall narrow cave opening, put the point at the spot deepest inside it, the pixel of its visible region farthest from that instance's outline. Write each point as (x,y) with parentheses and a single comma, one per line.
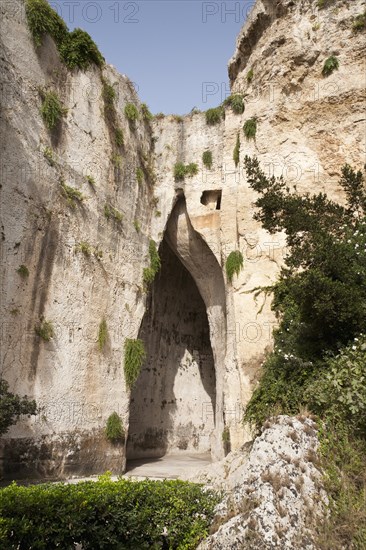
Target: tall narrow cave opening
(173,402)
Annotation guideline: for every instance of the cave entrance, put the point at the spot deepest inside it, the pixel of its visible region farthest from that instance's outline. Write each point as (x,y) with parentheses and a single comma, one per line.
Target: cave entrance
(173,402)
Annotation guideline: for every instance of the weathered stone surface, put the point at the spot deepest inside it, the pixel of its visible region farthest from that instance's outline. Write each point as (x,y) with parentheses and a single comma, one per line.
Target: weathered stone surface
(274,490)
(308,127)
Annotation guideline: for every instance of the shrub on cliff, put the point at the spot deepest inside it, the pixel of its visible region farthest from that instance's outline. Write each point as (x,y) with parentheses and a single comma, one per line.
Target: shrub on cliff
(12,406)
(52,109)
(330,65)
(214,116)
(207,159)
(236,102)
(134,358)
(79,50)
(131,112)
(114,430)
(234,264)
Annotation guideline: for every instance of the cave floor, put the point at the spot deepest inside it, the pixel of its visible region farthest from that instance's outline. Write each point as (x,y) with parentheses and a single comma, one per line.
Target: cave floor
(167,467)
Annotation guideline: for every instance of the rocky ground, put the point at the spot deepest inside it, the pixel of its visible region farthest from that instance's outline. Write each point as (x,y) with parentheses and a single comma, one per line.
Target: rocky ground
(273,490)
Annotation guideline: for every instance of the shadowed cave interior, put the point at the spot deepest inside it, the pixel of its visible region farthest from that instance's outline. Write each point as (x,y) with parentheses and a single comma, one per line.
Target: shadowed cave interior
(173,401)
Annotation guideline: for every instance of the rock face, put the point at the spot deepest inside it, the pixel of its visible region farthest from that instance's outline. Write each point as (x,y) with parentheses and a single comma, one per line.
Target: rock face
(274,490)
(86,264)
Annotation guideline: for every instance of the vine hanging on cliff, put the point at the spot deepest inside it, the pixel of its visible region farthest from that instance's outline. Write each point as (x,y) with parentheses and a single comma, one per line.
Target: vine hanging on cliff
(134,357)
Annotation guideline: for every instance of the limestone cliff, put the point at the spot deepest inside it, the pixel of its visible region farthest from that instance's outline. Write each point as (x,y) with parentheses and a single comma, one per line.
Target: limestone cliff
(203,354)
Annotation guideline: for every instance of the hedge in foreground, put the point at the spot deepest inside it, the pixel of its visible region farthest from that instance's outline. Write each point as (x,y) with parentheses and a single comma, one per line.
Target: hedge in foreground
(105,514)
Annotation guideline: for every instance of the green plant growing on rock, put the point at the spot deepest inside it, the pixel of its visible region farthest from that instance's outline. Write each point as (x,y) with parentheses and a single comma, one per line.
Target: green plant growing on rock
(179,171)
(207,159)
(45,330)
(23,271)
(250,76)
(330,65)
(236,153)
(43,20)
(118,134)
(145,112)
(234,264)
(359,22)
(137,226)
(134,357)
(149,273)
(191,169)
(73,196)
(13,406)
(109,96)
(112,213)
(78,50)
(48,155)
(102,334)
(131,112)
(85,248)
(250,128)
(90,179)
(214,116)
(52,109)
(114,430)
(116,160)
(236,102)
(139,175)
(325,3)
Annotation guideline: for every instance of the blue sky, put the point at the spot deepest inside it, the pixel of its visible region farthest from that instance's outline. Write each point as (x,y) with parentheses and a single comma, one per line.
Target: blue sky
(175,51)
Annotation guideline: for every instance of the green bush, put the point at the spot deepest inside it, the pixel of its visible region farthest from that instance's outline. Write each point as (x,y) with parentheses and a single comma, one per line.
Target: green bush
(72,195)
(102,334)
(109,96)
(23,271)
(214,116)
(91,180)
(137,225)
(359,22)
(52,110)
(207,159)
(250,76)
(145,111)
(139,175)
(114,429)
(79,50)
(234,264)
(236,102)
(45,330)
(191,169)
(179,171)
(250,128)
(131,112)
(330,65)
(11,408)
(48,155)
(42,20)
(124,514)
(119,137)
(134,357)
(236,153)
(149,273)
(111,212)
(85,248)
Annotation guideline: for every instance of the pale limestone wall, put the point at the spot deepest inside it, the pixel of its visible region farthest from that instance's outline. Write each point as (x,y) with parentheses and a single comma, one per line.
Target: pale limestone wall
(308,127)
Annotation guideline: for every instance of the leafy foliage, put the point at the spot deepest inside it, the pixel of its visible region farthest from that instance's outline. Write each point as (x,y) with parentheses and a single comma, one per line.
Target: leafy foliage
(145,111)
(207,159)
(114,429)
(102,334)
(109,96)
(330,65)
(111,212)
(72,195)
(182,170)
(84,247)
(119,137)
(12,407)
(42,20)
(250,76)
(134,357)
(149,273)
(78,50)
(236,153)
(48,155)
(234,264)
(214,116)
(23,271)
(250,128)
(360,22)
(52,110)
(139,175)
(236,102)
(131,112)
(125,514)
(45,330)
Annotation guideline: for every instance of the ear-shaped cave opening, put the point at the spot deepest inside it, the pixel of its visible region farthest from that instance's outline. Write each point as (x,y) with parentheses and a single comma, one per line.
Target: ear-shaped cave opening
(173,402)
